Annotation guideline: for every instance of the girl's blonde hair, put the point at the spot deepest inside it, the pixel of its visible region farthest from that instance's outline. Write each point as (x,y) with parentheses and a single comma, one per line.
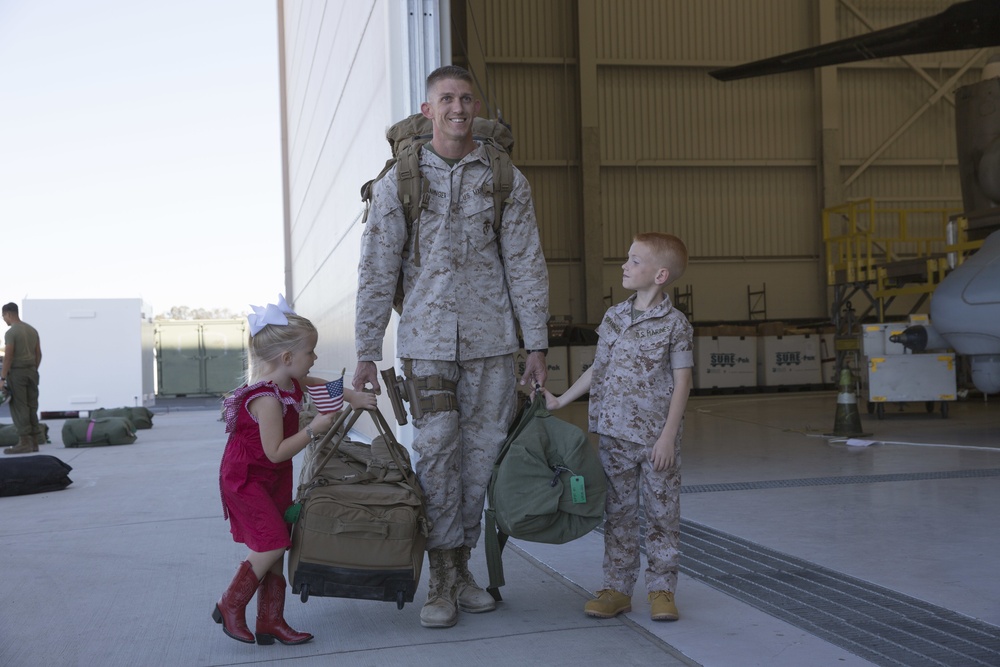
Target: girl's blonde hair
(274,340)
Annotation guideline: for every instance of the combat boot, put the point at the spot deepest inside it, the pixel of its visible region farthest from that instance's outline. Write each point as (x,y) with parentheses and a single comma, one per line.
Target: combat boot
(662,606)
(471,596)
(608,604)
(441,609)
(25,445)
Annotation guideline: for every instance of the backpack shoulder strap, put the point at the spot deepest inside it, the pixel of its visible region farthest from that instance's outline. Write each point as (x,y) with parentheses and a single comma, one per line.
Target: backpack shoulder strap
(503,181)
(368,187)
(414,191)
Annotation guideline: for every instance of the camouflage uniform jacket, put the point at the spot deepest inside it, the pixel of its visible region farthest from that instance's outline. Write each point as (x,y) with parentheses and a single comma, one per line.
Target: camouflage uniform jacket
(463,301)
(633,370)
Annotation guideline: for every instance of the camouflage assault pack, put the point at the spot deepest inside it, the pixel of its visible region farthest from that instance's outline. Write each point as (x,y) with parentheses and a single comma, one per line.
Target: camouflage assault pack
(405,141)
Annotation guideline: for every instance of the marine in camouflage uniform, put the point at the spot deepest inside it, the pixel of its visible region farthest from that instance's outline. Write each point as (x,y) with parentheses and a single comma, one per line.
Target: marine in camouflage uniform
(459,319)
(630,396)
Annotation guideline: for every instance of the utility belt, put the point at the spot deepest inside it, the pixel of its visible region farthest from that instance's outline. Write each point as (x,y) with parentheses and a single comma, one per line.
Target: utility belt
(414,390)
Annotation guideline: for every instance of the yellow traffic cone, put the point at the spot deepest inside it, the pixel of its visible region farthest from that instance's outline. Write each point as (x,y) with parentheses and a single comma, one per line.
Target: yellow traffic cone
(847,421)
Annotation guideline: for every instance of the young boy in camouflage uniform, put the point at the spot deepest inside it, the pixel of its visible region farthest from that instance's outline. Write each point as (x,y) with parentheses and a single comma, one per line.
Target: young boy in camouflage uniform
(639,385)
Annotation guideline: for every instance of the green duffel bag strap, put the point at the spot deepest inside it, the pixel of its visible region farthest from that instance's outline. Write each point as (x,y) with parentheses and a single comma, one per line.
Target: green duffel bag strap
(495,539)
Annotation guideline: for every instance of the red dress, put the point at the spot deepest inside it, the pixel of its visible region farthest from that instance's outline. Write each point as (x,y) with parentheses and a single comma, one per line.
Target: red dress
(255,491)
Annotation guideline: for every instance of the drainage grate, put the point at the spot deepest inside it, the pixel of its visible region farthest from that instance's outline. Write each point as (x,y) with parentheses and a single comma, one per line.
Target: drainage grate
(878,624)
(881,625)
(851,479)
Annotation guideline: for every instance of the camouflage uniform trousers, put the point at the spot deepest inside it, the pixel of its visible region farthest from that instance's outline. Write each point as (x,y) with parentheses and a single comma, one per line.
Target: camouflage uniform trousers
(629,471)
(455,450)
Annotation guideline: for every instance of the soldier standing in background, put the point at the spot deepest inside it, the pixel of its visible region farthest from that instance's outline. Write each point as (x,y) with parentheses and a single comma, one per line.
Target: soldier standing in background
(458,327)
(19,376)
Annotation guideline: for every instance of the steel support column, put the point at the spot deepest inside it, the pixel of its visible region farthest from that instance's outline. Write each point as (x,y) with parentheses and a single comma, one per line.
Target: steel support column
(590,162)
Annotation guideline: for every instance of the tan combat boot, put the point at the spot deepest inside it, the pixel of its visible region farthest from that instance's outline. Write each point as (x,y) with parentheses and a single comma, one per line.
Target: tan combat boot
(662,606)
(471,596)
(608,604)
(25,445)
(441,609)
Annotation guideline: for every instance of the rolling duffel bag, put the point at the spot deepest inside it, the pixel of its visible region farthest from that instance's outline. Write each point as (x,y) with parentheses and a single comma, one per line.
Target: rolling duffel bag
(359,524)
(98,432)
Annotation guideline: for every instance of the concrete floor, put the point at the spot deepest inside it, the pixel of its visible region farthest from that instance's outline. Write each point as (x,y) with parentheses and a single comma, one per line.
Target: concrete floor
(122,568)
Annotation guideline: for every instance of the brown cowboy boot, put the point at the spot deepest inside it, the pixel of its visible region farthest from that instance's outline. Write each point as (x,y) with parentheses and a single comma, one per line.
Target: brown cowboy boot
(231,609)
(271,623)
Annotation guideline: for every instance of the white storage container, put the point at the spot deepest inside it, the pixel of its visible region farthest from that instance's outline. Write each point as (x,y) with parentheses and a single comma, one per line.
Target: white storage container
(581,357)
(557,360)
(96,353)
(791,359)
(725,357)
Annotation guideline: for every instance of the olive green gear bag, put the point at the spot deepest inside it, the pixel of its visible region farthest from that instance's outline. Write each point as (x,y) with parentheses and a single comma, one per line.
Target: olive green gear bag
(98,432)
(548,486)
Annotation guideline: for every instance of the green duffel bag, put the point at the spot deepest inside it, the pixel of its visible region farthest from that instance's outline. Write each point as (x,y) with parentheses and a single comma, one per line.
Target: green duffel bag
(548,486)
(139,416)
(10,438)
(98,432)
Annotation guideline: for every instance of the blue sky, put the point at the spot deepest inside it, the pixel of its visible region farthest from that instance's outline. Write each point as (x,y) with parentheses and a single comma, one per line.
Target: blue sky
(140,151)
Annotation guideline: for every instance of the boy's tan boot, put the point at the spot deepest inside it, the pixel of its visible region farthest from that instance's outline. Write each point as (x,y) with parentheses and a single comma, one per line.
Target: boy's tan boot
(608,604)
(441,608)
(471,596)
(662,606)
(25,445)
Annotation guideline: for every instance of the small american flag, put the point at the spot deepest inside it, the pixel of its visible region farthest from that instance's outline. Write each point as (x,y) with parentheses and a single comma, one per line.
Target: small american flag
(328,397)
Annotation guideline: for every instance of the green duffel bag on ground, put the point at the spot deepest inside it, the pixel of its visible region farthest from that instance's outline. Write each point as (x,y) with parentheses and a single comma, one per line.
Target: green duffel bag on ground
(548,486)
(98,432)
(139,416)
(9,437)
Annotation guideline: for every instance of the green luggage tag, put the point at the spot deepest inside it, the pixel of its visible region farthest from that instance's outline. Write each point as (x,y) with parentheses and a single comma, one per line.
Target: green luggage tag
(292,513)
(577,489)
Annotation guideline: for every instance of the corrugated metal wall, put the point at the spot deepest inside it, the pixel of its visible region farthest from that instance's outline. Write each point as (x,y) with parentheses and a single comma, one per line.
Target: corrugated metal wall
(620,129)
(337,104)
(733,168)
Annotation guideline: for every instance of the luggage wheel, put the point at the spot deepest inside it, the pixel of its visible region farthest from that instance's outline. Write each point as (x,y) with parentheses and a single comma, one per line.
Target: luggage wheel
(399,599)
(304,592)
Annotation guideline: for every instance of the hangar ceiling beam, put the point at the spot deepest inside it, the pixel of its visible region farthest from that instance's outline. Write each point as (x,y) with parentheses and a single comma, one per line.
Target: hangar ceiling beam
(931,101)
(948,97)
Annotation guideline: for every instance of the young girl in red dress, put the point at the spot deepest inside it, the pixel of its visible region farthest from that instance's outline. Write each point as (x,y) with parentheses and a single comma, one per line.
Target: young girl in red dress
(262,419)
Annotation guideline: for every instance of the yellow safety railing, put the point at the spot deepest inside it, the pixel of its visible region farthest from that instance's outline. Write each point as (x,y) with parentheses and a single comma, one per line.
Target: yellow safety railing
(861,239)
(961,247)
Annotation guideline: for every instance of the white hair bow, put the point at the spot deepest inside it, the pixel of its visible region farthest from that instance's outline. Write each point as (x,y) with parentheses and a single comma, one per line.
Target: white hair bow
(269,314)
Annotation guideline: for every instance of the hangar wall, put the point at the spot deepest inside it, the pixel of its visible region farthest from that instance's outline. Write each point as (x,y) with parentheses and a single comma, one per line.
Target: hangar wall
(338,97)
(620,129)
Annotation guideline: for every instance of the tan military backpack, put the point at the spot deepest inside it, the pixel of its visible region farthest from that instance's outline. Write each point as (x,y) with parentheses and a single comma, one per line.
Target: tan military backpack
(405,140)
